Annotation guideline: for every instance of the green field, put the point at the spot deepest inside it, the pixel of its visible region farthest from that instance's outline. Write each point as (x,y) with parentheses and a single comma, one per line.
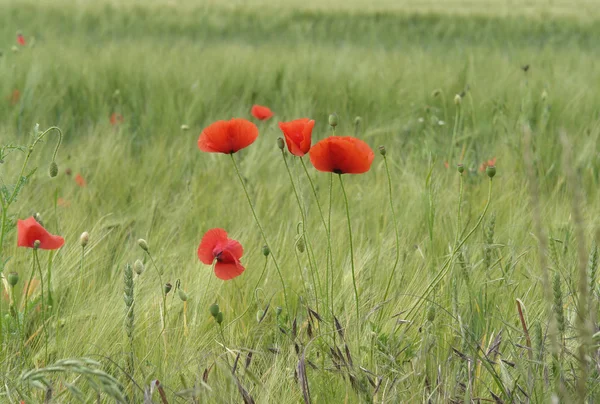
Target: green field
(462,269)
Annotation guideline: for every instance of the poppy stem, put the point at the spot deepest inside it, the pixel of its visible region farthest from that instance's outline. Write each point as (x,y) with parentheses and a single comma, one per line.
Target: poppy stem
(457,119)
(397,234)
(352,260)
(39,267)
(313,267)
(164,302)
(262,232)
(458,214)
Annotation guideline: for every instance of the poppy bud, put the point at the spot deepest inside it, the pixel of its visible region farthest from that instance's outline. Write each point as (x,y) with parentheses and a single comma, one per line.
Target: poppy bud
(68,171)
(266,251)
(460,168)
(13,278)
(431,314)
(138,267)
(36,244)
(214,310)
(382,150)
(436,92)
(300,246)
(143,244)
(38,218)
(357,121)
(457,99)
(84,239)
(280,143)
(185,127)
(278,311)
(168,288)
(53,169)
(333,120)
(182,295)
(259,315)
(219,317)
(490,171)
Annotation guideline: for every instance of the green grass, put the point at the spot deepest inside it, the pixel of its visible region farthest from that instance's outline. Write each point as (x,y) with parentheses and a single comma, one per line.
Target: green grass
(164,66)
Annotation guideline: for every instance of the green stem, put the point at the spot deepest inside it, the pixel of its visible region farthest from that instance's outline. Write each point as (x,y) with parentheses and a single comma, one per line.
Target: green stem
(352,259)
(458,214)
(397,233)
(454,132)
(329,246)
(262,232)
(313,268)
(37,262)
(162,291)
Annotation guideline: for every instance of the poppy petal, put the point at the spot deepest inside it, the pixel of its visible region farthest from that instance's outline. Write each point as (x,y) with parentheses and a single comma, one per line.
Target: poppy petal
(227,136)
(297,135)
(29,231)
(211,239)
(342,155)
(228,270)
(235,248)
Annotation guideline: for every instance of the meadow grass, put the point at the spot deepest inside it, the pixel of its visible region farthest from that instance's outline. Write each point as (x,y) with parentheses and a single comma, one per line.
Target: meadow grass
(458,324)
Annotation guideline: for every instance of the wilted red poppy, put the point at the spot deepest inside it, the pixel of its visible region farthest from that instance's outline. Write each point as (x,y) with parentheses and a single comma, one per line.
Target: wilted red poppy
(29,231)
(21,40)
(116,119)
(80,180)
(227,252)
(260,112)
(487,164)
(298,135)
(227,136)
(15,97)
(342,155)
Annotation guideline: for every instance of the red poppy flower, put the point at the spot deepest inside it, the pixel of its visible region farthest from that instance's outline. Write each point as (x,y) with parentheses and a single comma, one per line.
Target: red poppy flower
(29,231)
(227,136)
(261,113)
(80,180)
(298,135)
(15,97)
(487,164)
(21,40)
(116,119)
(227,252)
(342,155)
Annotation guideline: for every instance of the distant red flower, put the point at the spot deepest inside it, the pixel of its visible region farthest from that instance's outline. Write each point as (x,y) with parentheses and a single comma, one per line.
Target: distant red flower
(15,97)
(227,136)
(80,180)
(29,231)
(21,40)
(116,119)
(446,164)
(261,113)
(216,246)
(342,155)
(298,135)
(487,164)
(63,202)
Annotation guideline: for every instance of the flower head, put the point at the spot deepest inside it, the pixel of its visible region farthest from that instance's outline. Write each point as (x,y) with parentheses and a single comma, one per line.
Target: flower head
(298,135)
(261,113)
(21,39)
(15,97)
(80,180)
(342,155)
(116,119)
(227,252)
(227,137)
(29,231)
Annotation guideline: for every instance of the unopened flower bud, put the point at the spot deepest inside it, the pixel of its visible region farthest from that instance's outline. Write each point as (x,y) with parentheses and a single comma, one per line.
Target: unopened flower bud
(36,244)
(168,288)
(278,310)
(280,143)
(53,169)
(300,246)
(333,120)
(143,244)
(219,317)
(138,267)
(357,121)
(214,310)
(84,239)
(457,99)
(436,92)
(460,168)
(182,295)
(431,314)
(382,150)
(185,127)
(490,171)
(259,315)
(13,278)
(266,251)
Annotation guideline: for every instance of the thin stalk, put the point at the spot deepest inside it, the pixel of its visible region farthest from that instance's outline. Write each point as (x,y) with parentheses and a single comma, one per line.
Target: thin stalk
(329,240)
(313,268)
(458,211)
(164,305)
(262,232)
(37,262)
(396,232)
(457,119)
(351,259)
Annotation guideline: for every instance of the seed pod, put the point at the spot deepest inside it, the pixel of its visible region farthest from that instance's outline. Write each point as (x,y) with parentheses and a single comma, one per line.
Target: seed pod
(13,278)
(168,288)
(36,244)
(460,168)
(490,171)
(382,150)
(266,251)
